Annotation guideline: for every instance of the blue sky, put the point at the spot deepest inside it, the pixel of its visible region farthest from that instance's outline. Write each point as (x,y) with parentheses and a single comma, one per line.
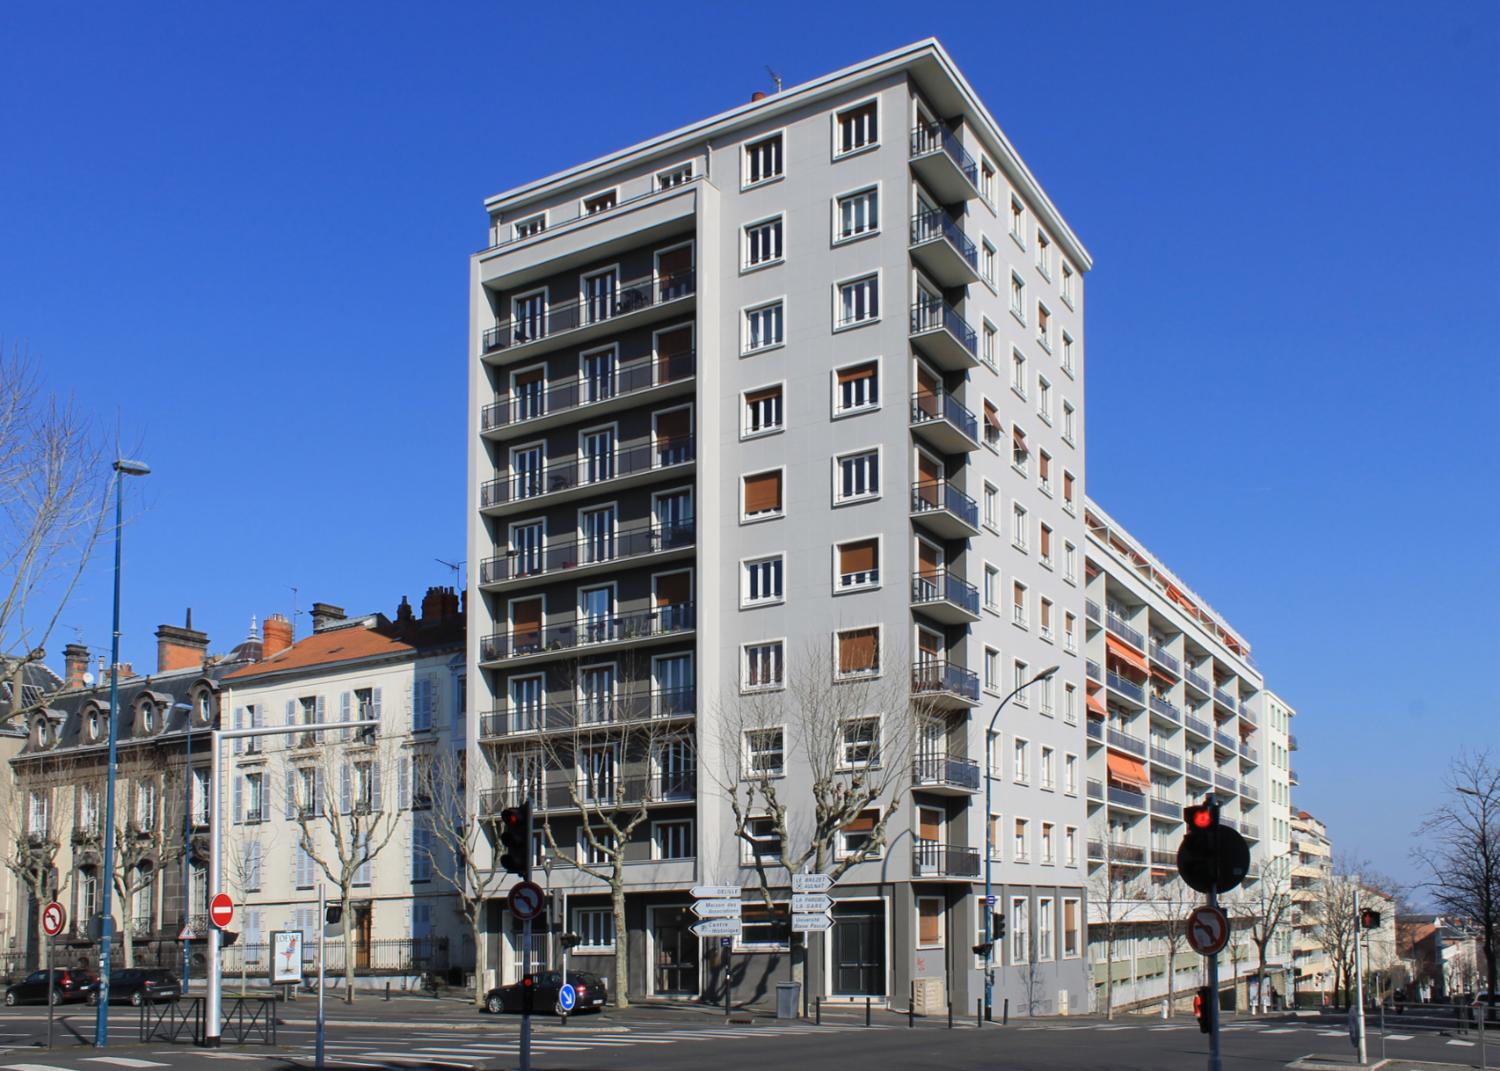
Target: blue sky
(243,239)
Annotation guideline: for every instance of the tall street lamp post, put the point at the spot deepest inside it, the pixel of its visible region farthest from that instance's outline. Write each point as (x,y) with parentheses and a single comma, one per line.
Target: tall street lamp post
(989,838)
(123,467)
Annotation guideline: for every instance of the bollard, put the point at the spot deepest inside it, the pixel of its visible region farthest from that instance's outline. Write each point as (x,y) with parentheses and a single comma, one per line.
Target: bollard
(818,1004)
(388,991)
(911,1007)
(950,1013)
(1005,1013)
(979,1014)
(867,1011)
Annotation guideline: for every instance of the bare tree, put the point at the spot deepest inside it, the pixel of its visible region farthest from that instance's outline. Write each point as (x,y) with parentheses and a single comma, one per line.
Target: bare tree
(1461,851)
(1335,927)
(1114,904)
(1267,904)
(344,819)
(54,497)
(456,846)
(148,839)
(42,809)
(1169,909)
(242,872)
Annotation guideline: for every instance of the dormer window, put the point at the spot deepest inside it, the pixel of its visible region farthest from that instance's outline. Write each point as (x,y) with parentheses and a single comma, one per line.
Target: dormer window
(148,717)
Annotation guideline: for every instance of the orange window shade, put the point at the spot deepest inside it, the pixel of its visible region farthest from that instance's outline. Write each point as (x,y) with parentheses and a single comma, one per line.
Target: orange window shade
(927,560)
(1125,654)
(674,425)
(864,823)
(1096,704)
(858,372)
(1019,437)
(991,416)
(1046,542)
(526,616)
(857,557)
(674,261)
(1130,771)
(1046,614)
(755,397)
(858,651)
(763,492)
(674,589)
(1044,463)
(533,375)
(1068,486)
(929,922)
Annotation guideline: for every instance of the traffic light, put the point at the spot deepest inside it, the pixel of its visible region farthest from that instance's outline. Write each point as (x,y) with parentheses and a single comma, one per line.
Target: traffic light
(333,912)
(1201,1008)
(528,994)
(228,937)
(1369,918)
(515,838)
(997,930)
(569,941)
(983,949)
(1201,816)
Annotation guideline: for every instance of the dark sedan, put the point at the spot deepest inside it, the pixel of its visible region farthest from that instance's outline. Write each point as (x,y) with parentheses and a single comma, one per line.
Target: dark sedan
(593,993)
(139,986)
(67,985)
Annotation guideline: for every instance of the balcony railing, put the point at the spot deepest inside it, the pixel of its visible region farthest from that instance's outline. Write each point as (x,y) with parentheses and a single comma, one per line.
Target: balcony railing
(1202,773)
(1291,741)
(1120,852)
(936,677)
(1248,751)
(616,464)
(1125,742)
(937,315)
(1251,830)
(1163,857)
(574,713)
(1091,610)
(590,550)
(1226,782)
(946,770)
(1248,791)
(930,858)
(627,297)
(1116,624)
(1096,850)
(1095,729)
(1197,725)
(1165,757)
(1095,789)
(1247,713)
(1125,797)
(945,587)
(930,226)
(587,631)
(564,794)
(581,213)
(1165,708)
(930,137)
(929,496)
(1221,696)
(928,407)
(1126,687)
(621,382)
(1197,680)
(1224,740)
(1166,808)
(1160,656)
(1094,671)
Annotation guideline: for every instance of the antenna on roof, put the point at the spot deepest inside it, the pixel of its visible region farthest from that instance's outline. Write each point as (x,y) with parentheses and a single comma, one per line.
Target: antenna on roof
(776,78)
(457,568)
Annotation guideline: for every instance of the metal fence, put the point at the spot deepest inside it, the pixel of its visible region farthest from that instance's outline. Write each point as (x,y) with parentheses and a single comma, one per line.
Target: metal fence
(395,955)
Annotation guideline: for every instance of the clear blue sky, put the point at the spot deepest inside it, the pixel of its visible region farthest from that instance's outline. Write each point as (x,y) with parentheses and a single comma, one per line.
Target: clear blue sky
(242,234)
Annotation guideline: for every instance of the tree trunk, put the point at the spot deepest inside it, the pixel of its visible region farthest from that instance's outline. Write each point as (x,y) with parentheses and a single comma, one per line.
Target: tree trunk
(1171,979)
(1109,978)
(127,931)
(348,918)
(479,956)
(622,939)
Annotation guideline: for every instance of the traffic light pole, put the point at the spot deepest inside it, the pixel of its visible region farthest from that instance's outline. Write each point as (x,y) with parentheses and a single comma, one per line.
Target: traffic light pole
(528,995)
(1215,1058)
(1359,982)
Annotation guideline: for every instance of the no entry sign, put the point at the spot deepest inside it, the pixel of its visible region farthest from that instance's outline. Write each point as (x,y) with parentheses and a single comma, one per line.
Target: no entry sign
(221,910)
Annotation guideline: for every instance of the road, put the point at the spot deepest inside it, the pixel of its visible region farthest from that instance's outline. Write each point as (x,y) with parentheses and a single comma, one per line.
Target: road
(456,1039)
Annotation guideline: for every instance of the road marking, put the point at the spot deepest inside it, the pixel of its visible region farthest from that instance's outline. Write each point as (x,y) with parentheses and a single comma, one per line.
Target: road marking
(1399,1037)
(1281,1030)
(1465,1044)
(32,1067)
(122,1061)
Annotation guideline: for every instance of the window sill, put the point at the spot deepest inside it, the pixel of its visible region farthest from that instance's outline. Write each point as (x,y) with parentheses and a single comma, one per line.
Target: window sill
(762,349)
(770,180)
(757,604)
(860,151)
(764,433)
(751,269)
(1042,342)
(1018,317)
(839,503)
(1020,242)
(1066,300)
(850,239)
(840,414)
(762,518)
(853,324)
(854,589)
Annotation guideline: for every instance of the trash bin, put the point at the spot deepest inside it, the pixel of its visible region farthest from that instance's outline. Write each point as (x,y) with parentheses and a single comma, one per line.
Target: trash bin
(787,994)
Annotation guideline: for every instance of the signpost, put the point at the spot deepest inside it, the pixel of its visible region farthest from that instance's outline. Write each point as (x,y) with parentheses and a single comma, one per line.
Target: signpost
(1212,859)
(54,918)
(719,906)
(567,996)
(1207,930)
(718,928)
(811,883)
(717,909)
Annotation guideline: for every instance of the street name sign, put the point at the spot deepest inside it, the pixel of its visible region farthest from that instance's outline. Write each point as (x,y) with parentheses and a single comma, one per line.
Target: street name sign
(810,903)
(811,883)
(717,909)
(716,892)
(812,923)
(718,928)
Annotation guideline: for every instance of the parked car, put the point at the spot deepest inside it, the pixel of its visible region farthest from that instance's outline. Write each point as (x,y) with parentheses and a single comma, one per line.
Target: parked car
(593,993)
(139,986)
(67,985)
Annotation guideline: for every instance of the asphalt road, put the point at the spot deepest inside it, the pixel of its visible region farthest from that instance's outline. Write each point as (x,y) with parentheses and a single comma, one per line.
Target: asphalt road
(375,1035)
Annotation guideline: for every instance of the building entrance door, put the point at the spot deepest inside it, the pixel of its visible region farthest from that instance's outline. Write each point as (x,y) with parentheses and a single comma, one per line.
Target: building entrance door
(859,950)
(362,916)
(677,954)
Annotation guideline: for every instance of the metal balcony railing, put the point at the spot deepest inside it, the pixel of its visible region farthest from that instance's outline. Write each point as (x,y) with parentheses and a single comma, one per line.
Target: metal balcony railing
(554,223)
(590,550)
(1165,807)
(1247,713)
(621,382)
(1221,696)
(938,676)
(1248,791)
(931,858)
(1096,850)
(1197,680)
(1223,739)
(1116,624)
(585,631)
(1126,687)
(1125,742)
(565,794)
(930,137)
(1251,830)
(1163,857)
(1091,610)
(1165,757)
(1224,781)
(626,297)
(945,587)
(930,406)
(554,476)
(947,770)
(930,226)
(929,496)
(1202,773)
(1165,708)
(1248,751)
(1121,852)
(1094,671)
(1197,725)
(571,713)
(1095,729)
(1159,655)
(936,315)
(1125,797)
(1095,789)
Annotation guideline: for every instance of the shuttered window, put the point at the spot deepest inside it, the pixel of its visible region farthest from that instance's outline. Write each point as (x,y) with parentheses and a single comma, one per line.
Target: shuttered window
(763,494)
(859,652)
(858,387)
(929,921)
(857,563)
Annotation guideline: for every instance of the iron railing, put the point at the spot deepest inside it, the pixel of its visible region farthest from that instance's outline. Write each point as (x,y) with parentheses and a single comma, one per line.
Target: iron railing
(588,550)
(938,676)
(581,713)
(1095,789)
(938,315)
(563,794)
(1197,725)
(944,587)
(1126,853)
(1117,625)
(1125,797)
(587,631)
(1165,757)
(931,858)
(927,138)
(930,406)
(1095,729)
(1126,687)
(1221,696)
(1125,742)
(1159,655)
(930,226)
(619,382)
(383,955)
(1198,681)
(1165,708)
(554,476)
(1091,610)
(948,770)
(928,496)
(625,298)
(1202,773)
(1168,808)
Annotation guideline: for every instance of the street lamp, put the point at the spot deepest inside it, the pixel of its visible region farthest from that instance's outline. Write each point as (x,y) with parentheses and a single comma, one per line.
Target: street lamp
(123,467)
(989,837)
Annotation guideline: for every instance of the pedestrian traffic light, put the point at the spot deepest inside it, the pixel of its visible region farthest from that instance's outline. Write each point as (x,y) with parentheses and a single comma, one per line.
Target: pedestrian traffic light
(983,948)
(1201,1009)
(333,912)
(997,930)
(528,994)
(1201,816)
(515,837)
(1369,918)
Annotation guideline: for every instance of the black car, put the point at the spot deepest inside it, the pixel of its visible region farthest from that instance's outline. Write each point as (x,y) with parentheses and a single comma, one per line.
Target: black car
(593,993)
(139,986)
(67,985)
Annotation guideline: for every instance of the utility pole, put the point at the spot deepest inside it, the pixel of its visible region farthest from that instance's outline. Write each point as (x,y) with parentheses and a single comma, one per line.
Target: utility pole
(1359,980)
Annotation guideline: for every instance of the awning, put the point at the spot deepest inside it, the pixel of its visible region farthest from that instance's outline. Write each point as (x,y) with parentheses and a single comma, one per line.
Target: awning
(1120,650)
(1162,674)
(1130,771)
(1019,437)
(1096,704)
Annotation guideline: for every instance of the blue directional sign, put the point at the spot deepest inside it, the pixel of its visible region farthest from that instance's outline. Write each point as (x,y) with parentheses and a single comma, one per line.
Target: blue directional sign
(567,996)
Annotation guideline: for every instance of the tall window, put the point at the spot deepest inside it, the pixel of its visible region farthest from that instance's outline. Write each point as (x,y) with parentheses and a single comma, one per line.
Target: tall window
(858,213)
(859,652)
(763,326)
(858,387)
(991,587)
(1067,422)
(987,262)
(765,752)
(763,242)
(762,410)
(1020,927)
(1067,352)
(858,476)
(762,581)
(991,506)
(1067,282)
(857,127)
(1072,929)
(765,666)
(1018,296)
(858,564)
(859,301)
(1043,323)
(1043,253)
(1018,372)
(1019,525)
(992,669)
(763,159)
(1021,848)
(674,840)
(1044,399)
(1018,221)
(1044,946)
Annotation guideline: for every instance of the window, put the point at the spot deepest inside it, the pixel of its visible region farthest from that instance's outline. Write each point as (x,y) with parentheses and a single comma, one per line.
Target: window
(1067,490)
(991,587)
(1019,449)
(766,842)
(1070,631)
(764,665)
(762,242)
(674,176)
(1067,282)
(1021,674)
(861,742)
(1021,761)
(1018,222)
(674,840)
(1044,611)
(1021,844)
(1044,399)
(1018,297)
(762,160)
(1018,372)
(856,836)
(987,354)
(1067,423)
(598,771)
(858,564)
(762,494)
(1049,844)
(993,430)
(859,301)
(762,411)
(987,181)
(858,476)
(1049,768)
(1044,947)
(530,226)
(858,652)
(858,387)
(858,214)
(762,581)
(595,927)
(421,854)
(929,922)
(255,798)
(992,679)
(528,315)
(1070,846)
(1043,319)
(1070,774)
(1044,546)
(765,928)
(1067,353)
(763,326)
(1019,525)
(1043,253)
(1072,933)
(991,506)
(1070,562)
(36,817)
(857,128)
(987,262)
(600,202)
(1020,930)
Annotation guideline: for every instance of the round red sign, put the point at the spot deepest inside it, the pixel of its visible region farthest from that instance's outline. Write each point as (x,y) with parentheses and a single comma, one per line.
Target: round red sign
(221,910)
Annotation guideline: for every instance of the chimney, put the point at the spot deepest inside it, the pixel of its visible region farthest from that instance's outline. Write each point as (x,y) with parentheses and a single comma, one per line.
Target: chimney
(403,612)
(276,635)
(438,605)
(757,95)
(75,664)
(180,648)
(325,614)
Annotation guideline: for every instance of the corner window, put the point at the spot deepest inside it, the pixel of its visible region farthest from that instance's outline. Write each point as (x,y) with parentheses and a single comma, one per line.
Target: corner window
(763,160)
(857,128)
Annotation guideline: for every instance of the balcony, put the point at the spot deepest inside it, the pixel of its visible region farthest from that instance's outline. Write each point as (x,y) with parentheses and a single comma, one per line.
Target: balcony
(1124,797)
(940,419)
(1094,671)
(575,322)
(1291,775)
(943,164)
(1247,713)
(1197,726)
(1095,789)
(1126,687)
(932,859)
(944,683)
(1125,742)
(1096,851)
(637,383)
(590,554)
(572,713)
(1168,662)
(1226,700)
(1165,808)
(1163,857)
(1116,624)
(1226,782)
(1225,741)
(1120,852)
(1092,612)
(943,336)
(1291,741)
(1251,830)
(945,597)
(1095,729)
(574,634)
(565,794)
(943,508)
(943,250)
(1198,681)
(1162,757)
(1249,792)
(945,774)
(1197,772)
(1166,709)
(1249,754)
(557,481)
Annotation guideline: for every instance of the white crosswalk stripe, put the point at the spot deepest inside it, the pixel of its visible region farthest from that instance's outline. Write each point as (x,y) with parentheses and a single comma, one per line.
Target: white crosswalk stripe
(121,1061)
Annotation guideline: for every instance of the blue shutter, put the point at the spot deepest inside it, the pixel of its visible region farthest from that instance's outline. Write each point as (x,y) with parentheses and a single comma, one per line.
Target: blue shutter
(291,712)
(403,783)
(345,776)
(344,714)
(252,867)
(362,875)
(375,779)
(320,718)
(239,723)
(318,791)
(291,794)
(239,800)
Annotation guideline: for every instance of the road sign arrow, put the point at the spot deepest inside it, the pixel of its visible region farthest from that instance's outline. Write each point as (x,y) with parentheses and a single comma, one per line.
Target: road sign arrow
(718,928)
(717,909)
(810,903)
(715,892)
(814,923)
(811,883)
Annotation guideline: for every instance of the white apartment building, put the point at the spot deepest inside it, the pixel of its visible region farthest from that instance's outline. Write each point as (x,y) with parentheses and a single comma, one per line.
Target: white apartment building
(407,676)
(797,385)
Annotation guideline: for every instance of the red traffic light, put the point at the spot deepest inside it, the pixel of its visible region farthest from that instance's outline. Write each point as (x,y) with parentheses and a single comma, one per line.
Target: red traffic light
(527,982)
(1200,817)
(1369,918)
